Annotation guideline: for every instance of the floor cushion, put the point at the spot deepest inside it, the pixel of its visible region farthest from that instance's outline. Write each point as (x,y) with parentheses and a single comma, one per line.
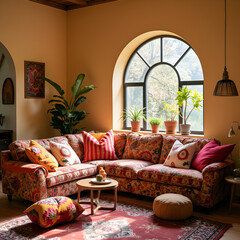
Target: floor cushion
(172,206)
(52,211)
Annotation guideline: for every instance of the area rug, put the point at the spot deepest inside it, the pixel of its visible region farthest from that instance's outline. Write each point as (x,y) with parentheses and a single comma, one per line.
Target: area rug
(127,222)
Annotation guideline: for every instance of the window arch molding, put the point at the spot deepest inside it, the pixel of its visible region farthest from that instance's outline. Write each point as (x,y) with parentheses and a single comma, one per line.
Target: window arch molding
(163,60)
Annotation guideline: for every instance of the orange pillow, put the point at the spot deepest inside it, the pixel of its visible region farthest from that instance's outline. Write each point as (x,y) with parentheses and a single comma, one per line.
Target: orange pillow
(38,154)
(98,136)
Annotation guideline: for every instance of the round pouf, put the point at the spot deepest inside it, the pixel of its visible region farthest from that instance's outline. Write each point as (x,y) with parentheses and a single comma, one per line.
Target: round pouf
(172,206)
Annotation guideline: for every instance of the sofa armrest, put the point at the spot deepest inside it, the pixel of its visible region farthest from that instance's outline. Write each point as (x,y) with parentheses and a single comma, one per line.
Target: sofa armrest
(214,185)
(24,180)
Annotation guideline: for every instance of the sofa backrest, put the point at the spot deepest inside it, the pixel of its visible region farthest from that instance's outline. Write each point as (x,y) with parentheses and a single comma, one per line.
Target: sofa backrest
(17,148)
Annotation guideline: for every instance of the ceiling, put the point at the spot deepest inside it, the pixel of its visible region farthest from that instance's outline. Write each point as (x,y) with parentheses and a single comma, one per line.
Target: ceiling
(71,4)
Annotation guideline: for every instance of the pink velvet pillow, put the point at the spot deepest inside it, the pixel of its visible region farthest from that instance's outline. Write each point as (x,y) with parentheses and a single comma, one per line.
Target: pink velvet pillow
(211,153)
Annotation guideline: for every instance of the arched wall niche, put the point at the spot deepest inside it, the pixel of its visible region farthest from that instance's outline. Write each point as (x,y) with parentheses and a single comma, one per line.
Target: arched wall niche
(118,73)
(7,70)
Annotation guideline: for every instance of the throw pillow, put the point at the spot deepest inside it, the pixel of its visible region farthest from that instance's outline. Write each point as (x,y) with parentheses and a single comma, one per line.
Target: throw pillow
(38,154)
(211,153)
(52,211)
(64,153)
(180,155)
(143,147)
(99,150)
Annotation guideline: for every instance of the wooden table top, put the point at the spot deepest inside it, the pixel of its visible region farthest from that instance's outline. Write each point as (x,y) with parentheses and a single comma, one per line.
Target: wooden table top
(87,184)
(232,179)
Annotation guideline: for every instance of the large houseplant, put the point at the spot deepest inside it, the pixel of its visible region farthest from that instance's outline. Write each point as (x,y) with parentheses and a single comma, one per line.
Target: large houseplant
(65,114)
(171,125)
(135,115)
(188,101)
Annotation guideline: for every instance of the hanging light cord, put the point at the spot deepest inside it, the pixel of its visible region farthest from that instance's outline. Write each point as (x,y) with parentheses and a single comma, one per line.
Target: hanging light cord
(225,33)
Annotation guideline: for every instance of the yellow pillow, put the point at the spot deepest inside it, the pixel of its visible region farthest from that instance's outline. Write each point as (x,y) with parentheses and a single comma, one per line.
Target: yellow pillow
(38,154)
(98,136)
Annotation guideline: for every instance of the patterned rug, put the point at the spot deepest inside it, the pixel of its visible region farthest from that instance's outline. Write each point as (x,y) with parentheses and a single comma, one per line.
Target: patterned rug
(127,222)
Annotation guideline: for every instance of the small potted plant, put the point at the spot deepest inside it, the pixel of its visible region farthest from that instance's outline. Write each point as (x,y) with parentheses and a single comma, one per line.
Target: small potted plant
(171,124)
(135,116)
(155,124)
(188,100)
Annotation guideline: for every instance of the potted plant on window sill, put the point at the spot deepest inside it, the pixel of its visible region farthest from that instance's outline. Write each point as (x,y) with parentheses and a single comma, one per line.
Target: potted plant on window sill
(155,124)
(171,124)
(135,116)
(187,98)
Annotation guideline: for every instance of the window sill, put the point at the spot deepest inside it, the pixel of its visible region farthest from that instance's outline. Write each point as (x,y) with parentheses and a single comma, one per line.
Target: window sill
(160,133)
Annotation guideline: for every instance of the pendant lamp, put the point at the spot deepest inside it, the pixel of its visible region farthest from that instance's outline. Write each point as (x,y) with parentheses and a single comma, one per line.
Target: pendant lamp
(225,87)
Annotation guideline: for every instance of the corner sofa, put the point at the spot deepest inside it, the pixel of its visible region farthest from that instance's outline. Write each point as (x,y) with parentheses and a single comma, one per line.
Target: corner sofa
(139,170)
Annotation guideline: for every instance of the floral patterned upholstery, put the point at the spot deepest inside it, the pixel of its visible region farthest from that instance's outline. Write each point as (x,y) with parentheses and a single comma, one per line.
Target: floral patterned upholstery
(143,147)
(171,176)
(124,168)
(70,173)
(17,148)
(168,142)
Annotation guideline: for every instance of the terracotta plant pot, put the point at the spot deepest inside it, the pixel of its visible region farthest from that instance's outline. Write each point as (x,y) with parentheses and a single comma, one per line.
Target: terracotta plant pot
(155,128)
(135,126)
(185,129)
(170,127)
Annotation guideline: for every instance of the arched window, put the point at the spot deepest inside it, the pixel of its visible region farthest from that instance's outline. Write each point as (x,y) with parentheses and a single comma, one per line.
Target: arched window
(155,72)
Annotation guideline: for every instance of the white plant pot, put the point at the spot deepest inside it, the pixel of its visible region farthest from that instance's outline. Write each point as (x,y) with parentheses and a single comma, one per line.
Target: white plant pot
(185,129)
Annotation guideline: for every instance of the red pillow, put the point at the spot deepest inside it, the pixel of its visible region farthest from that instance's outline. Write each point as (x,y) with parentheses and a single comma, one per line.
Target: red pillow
(211,153)
(99,150)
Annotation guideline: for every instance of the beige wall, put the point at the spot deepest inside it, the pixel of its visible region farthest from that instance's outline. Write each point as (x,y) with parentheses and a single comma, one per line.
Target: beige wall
(97,35)
(34,32)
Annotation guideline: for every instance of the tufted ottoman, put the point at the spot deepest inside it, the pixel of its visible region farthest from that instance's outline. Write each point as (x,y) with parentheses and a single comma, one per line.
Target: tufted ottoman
(172,206)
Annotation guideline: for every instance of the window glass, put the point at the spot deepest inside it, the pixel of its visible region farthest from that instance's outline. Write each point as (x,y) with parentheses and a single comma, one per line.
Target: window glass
(151,51)
(196,117)
(134,97)
(136,69)
(162,85)
(173,49)
(189,67)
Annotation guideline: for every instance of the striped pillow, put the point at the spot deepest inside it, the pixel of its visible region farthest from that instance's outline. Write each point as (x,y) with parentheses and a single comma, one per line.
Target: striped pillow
(99,150)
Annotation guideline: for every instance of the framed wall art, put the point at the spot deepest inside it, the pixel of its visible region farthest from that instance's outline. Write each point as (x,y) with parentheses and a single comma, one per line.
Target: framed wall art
(34,87)
(8,92)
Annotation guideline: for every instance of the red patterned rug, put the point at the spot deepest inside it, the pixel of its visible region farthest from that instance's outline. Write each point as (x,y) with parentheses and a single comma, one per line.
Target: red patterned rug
(127,222)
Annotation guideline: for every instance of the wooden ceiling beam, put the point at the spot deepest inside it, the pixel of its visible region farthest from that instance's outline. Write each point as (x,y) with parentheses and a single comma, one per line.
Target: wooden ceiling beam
(78,2)
(51,4)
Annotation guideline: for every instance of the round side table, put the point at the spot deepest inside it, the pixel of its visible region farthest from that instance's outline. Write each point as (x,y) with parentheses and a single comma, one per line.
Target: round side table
(234,181)
(86,184)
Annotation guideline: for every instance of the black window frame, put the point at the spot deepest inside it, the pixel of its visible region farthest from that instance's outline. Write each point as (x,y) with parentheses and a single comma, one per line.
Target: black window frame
(144,83)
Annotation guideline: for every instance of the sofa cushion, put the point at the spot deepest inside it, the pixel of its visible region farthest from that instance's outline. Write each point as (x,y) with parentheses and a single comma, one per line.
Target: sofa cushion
(76,142)
(124,167)
(17,148)
(180,155)
(120,140)
(70,173)
(39,155)
(211,153)
(171,176)
(143,147)
(168,142)
(97,150)
(64,153)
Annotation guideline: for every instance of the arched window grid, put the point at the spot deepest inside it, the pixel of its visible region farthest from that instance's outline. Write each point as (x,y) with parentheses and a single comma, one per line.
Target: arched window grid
(143,84)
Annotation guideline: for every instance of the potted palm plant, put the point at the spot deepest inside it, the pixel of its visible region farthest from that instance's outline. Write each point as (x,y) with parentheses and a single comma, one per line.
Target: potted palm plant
(65,114)
(155,124)
(188,101)
(171,124)
(135,116)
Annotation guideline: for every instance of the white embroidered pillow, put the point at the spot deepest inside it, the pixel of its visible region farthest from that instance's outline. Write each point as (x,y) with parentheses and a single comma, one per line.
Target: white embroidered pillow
(180,155)
(64,153)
